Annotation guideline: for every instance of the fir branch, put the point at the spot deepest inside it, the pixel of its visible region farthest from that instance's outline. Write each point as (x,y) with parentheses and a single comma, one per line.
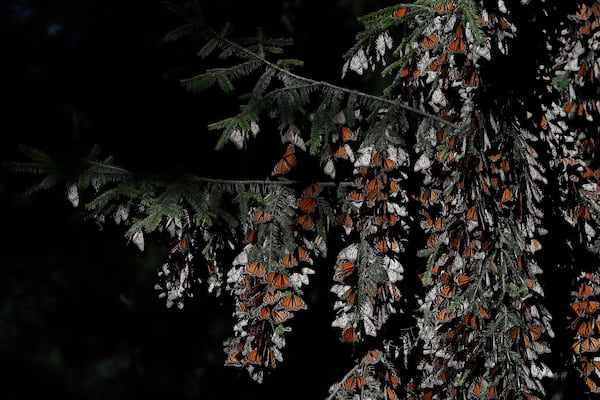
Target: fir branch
(250,54)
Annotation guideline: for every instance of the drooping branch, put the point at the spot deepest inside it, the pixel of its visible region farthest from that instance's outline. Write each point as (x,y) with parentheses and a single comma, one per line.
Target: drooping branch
(328,85)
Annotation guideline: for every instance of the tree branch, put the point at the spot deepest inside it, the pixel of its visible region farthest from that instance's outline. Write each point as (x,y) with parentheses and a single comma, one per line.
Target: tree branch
(314,82)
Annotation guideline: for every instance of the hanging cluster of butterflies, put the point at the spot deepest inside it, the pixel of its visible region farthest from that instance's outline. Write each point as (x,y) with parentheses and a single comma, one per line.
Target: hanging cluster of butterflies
(374,219)
(267,278)
(571,127)
(372,375)
(177,275)
(571,123)
(586,325)
(470,198)
(444,63)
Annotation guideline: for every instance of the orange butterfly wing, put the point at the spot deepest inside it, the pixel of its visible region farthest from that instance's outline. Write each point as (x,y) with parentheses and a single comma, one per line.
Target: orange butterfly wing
(286,163)
(401,12)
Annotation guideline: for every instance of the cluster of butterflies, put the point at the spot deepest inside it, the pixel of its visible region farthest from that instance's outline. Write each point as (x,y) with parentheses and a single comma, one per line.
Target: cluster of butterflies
(177,274)
(572,125)
(578,59)
(571,122)
(463,215)
(586,326)
(374,219)
(265,296)
(374,373)
(266,283)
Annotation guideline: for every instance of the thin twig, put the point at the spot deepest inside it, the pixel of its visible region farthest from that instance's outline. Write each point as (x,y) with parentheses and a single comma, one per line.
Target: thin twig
(263,182)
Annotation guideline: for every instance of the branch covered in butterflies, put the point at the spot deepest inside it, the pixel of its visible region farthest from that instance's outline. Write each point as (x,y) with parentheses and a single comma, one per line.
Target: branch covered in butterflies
(338,387)
(313,82)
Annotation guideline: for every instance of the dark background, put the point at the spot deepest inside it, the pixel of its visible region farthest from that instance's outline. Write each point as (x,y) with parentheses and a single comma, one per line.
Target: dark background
(79,318)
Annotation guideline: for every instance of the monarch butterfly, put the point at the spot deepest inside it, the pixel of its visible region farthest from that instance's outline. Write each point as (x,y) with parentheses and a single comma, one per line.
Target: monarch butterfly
(349,296)
(535,331)
(372,356)
(478,388)
(181,245)
(585,307)
(474,80)
(514,332)
(306,222)
(429,41)
(307,204)
(457,45)
(255,269)
(463,279)
(470,320)
(302,255)
(353,382)
(586,368)
(438,225)
(343,269)
(447,290)
(427,395)
(346,134)
(264,313)
(401,12)
(272,358)
(278,280)
(312,190)
(343,151)
(583,327)
(583,212)
(583,13)
(375,185)
(492,392)
(391,395)
(429,196)
(344,219)
(355,196)
(288,261)
(279,316)
(388,164)
(292,302)
(393,187)
(585,29)
(261,217)
(592,386)
(444,315)
(506,195)
(584,291)
(272,296)
(445,8)
(286,163)
(350,335)
(586,345)
(472,213)
(406,71)
(382,245)
(458,31)
(234,358)
(254,357)
(250,237)
(483,312)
